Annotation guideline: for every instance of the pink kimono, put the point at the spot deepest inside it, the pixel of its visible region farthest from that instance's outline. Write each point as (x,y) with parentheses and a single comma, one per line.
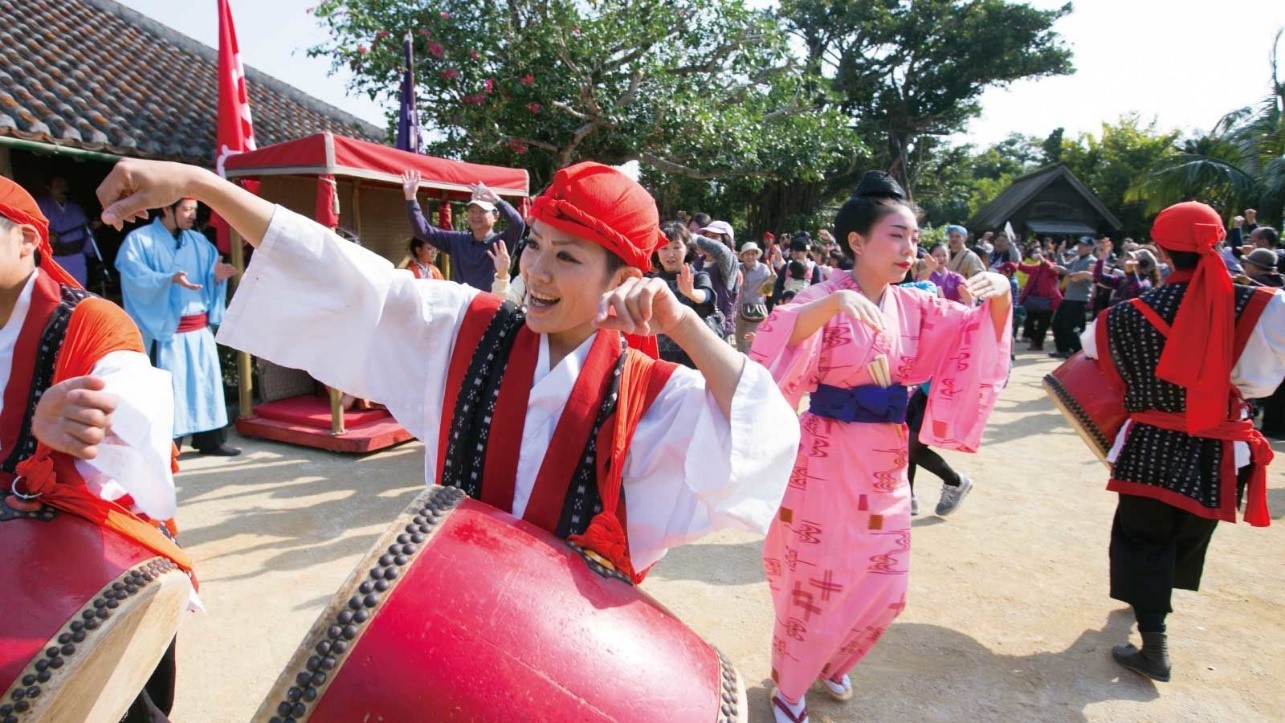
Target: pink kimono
(837,555)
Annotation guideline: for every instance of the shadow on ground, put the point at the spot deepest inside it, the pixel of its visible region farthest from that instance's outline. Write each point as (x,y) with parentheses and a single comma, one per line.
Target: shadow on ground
(949,667)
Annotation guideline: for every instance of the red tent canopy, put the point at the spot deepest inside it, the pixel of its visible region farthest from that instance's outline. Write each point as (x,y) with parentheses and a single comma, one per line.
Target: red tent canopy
(326,154)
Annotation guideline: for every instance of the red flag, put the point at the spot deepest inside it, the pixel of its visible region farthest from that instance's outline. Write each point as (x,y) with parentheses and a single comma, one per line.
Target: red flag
(236,131)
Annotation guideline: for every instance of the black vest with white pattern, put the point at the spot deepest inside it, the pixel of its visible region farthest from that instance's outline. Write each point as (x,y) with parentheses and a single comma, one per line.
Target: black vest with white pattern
(1174,461)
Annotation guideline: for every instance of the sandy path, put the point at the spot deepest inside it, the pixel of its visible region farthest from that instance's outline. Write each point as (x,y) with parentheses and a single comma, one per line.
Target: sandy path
(1008,616)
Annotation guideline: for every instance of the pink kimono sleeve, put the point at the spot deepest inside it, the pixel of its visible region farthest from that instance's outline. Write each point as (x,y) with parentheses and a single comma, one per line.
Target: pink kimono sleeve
(794,368)
(968,362)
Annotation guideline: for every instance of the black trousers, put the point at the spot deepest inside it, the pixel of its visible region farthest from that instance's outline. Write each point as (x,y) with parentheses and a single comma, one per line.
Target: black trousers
(1068,322)
(154,704)
(1274,412)
(1155,548)
(213,439)
(920,454)
(1038,322)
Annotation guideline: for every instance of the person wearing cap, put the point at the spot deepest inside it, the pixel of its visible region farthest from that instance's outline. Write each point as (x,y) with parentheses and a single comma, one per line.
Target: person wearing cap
(757,278)
(174,285)
(838,553)
(343,314)
(715,243)
(1260,268)
(1266,237)
(1068,319)
(470,262)
(963,260)
(1188,354)
(98,393)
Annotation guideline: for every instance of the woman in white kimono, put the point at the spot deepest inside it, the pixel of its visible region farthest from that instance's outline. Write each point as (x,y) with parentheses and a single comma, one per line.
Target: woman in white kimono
(311,301)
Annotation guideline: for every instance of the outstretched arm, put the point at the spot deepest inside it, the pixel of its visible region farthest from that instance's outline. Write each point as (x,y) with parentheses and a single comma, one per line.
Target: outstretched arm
(136,186)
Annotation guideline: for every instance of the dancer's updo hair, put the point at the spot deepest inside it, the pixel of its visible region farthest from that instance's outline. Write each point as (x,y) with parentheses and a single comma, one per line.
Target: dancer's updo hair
(876,196)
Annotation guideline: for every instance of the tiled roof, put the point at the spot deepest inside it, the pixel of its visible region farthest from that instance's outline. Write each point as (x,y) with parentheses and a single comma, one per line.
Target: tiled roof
(95,75)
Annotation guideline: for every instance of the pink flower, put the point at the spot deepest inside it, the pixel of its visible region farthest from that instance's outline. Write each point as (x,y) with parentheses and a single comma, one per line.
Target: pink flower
(446,15)
(528,79)
(381,35)
(435,50)
(575,32)
(533,107)
(450,73)
(489,85)
(362,50)
(517,146)
(475,99)
(472,54)
(425,33)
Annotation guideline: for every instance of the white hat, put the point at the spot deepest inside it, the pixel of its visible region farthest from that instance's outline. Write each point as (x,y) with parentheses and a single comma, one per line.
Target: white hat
(484,205)
(751,248)
(721,227)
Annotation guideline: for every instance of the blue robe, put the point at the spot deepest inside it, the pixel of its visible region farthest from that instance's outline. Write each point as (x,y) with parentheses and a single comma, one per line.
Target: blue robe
(147,262)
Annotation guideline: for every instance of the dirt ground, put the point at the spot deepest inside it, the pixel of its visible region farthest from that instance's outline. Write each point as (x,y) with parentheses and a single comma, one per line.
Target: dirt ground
(1008,617)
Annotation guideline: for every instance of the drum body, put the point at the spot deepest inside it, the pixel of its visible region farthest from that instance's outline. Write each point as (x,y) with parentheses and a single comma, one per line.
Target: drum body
(87,614)
(461,612)
(1091,399)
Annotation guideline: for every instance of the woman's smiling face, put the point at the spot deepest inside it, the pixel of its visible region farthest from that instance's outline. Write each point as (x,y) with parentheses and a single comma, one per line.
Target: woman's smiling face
(565,279)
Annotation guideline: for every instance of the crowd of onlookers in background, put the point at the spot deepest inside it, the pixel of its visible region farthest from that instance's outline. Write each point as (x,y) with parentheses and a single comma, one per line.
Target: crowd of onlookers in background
(1058,284)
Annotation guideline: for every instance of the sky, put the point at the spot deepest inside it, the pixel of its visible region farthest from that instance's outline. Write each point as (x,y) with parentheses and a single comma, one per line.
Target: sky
(1183,63)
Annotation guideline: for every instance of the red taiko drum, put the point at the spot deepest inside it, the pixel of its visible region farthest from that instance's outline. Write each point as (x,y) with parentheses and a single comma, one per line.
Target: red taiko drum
(461,612)
(87,614)
(1091,399)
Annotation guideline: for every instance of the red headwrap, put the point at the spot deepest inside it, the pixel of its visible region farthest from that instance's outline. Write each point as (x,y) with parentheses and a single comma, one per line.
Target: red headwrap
(18,206)
(1198,353)
(600,204)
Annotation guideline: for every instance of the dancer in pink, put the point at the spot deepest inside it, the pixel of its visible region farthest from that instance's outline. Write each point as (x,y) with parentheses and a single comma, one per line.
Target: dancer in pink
(838,552)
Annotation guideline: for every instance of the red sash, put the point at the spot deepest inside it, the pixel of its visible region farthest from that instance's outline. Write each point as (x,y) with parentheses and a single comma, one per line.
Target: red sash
(195,322)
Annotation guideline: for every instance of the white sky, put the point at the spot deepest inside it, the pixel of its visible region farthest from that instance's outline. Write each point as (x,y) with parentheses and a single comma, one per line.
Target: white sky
(1183,62)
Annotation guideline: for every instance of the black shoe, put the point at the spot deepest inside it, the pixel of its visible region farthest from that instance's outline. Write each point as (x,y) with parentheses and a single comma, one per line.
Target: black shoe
(1150,662)
(220,451)
(1059,355)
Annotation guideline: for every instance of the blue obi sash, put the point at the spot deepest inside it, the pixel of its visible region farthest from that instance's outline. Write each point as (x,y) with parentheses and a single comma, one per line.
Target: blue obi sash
(868,403)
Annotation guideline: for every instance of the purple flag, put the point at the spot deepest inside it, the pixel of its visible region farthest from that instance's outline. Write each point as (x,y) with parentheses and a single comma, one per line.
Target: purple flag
(407,118)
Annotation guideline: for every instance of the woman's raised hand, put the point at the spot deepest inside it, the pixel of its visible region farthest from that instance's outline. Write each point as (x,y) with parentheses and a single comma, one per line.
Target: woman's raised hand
(641,306)
(858,307)
(988,285)
(499,255)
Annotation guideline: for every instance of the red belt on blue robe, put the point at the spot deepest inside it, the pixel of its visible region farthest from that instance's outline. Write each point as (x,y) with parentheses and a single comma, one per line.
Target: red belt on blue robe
(195,322)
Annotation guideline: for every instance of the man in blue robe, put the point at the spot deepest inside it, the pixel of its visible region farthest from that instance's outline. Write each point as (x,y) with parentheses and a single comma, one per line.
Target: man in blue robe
(70,234)
(174,285)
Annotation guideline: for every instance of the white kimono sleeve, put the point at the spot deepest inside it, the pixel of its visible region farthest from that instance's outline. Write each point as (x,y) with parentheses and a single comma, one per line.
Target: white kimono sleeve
(691,471)
(134,458)
(310,300)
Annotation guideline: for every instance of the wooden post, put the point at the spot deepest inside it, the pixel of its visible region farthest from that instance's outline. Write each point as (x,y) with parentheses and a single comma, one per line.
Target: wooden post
(336,411)
(244,374)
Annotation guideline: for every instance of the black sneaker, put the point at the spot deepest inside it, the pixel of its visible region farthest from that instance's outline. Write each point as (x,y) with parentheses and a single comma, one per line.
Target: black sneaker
(220,451)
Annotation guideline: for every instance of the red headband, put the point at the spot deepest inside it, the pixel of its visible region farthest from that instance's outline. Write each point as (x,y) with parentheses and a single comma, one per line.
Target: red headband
(18,206)
(1198,353)
(600,204)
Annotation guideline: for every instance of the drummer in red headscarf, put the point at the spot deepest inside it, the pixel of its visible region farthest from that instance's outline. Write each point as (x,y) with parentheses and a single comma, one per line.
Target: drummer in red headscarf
(85,419)
(545,410)
(1189,353)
